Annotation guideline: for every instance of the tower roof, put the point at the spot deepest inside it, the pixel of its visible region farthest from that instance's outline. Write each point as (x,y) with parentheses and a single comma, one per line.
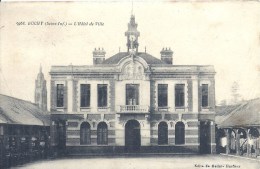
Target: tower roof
(40,75)
(132,27)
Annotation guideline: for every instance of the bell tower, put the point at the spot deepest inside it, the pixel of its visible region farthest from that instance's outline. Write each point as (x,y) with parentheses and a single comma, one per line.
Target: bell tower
(132,35)
(40,97)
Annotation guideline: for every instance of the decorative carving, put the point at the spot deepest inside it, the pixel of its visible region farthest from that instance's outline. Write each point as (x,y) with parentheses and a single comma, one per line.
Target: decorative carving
(172,124)
(133,71)
(153,124)
(142,123)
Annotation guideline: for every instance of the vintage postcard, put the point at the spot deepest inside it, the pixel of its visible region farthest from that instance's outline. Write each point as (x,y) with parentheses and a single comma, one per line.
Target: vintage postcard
(130,84)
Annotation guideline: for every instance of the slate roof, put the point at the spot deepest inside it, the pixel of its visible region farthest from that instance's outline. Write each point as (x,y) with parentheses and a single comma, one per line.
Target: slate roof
(17,111)
(240,115)
(147,57)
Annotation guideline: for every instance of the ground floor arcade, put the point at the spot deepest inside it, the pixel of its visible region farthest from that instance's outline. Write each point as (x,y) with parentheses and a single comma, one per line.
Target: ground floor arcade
(132,133)
(243,141)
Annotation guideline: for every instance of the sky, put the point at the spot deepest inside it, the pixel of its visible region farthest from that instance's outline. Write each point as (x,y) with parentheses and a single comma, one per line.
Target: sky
(223,34)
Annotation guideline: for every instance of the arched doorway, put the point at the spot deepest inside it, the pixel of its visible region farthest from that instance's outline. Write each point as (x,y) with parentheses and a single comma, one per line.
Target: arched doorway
(179,133)
(132,136)
(61,131)
(205,137)
(85,133)
(220,141)
(254,141)
(162,133)
(102,134)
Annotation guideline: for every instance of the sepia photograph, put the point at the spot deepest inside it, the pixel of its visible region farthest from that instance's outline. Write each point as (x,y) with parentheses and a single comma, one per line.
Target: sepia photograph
(130,84)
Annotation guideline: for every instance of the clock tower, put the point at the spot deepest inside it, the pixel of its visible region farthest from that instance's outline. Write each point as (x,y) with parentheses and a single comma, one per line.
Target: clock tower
(132,35)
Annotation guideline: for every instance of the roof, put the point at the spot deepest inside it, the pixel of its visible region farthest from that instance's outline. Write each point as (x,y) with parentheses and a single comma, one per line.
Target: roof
(151,60)
(17,111)
(240,115)
(109,66)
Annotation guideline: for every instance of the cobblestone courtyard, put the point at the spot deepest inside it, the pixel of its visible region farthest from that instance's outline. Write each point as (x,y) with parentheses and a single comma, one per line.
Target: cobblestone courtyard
(147,162)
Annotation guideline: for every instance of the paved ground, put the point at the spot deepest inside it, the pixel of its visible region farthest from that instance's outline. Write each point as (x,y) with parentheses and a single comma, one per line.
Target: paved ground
(147,162)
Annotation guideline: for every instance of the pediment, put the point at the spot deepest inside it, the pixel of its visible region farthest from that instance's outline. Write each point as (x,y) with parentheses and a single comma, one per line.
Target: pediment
(133,69)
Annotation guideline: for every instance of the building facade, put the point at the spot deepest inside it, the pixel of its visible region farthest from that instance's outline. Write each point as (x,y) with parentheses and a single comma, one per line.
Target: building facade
(133,102)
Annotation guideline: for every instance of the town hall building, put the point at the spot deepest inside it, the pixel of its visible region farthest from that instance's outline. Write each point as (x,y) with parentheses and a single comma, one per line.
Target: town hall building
(133,102)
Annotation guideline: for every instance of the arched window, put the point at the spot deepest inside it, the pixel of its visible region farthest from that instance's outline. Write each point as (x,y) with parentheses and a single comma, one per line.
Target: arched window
(162,133)
(179,133)
(102,133)
(254,133)
(85,133)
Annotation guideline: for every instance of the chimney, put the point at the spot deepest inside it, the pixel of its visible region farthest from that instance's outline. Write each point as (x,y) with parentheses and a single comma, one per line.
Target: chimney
(166,55)
(98,56)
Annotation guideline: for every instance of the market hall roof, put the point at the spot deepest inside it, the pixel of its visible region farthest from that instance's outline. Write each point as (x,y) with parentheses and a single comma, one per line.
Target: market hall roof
(245,114)
(17,111)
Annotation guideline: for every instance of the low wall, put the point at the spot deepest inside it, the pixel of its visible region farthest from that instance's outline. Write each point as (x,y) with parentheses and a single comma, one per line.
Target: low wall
(110,150)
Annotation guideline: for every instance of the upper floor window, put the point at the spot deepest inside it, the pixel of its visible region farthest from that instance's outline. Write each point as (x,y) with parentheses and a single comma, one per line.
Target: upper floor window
(179,95)
(162,95)
(205,95)
(132,94)
(85,95)
(102,95)
(60,95)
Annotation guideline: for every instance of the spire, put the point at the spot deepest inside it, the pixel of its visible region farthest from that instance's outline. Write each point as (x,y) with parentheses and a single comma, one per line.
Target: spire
(132,10)
(40,68)
(132,35)
(40,97)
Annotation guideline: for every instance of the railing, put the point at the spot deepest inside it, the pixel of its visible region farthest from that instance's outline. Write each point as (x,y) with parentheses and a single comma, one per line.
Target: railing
(134,108)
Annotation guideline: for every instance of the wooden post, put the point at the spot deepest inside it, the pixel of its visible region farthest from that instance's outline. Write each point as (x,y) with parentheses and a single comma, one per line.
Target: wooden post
(248,145)
(237,141)
(227,132)
(212,137)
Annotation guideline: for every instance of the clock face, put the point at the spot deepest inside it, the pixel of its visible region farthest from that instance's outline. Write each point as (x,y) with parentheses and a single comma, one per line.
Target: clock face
(132,38)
